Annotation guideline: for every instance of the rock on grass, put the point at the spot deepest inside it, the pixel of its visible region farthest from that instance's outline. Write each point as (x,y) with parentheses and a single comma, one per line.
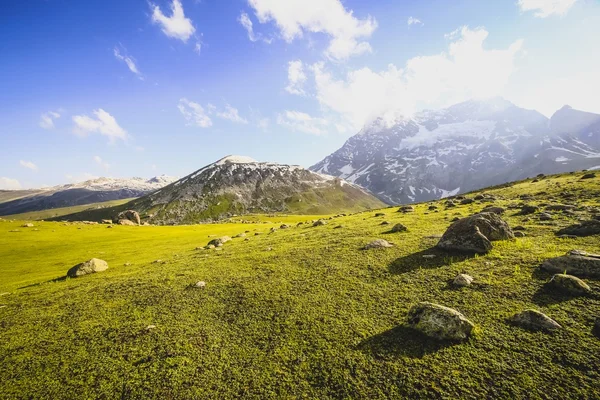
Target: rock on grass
(585,228)
(88,267)
(378,244)
(569,284)
(439,322)
(575,262)
(535,321)
(475,234)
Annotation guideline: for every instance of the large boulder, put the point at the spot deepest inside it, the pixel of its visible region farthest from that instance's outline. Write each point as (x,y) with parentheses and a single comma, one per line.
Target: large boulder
(126,222)
(575,262)
(474,234)
(88,267)
(439,322)
(569,284)
(585,228)
(535,321)
(129,215)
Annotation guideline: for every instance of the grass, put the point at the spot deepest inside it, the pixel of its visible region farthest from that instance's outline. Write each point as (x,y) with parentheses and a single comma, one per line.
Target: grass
(299,313)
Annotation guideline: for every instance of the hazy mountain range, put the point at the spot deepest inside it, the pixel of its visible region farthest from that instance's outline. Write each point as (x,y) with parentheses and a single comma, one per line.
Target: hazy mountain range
(464,147)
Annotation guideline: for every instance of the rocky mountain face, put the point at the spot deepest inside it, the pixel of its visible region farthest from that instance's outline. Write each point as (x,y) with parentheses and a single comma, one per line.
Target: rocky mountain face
(238,185)
(467,146)
(91,191)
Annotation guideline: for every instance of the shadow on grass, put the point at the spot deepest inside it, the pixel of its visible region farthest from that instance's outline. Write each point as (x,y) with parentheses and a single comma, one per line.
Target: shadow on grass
(427,259)
(401,341)
(59,279)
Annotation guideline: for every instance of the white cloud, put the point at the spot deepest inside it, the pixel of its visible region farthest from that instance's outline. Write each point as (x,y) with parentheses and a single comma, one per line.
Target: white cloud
(414,21)
(294,17)
(546,8)
(28,165)
(194,113)
(245,21)
(263,123)
(101,163)
(467,70)
(129,61)
(47,119)
(296,78)
(176,26)
(9,184)
(302,122)
(104,124)
(231,114)
(198,48)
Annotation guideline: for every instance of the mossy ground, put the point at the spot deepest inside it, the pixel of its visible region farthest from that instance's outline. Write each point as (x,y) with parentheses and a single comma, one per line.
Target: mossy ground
(299,313)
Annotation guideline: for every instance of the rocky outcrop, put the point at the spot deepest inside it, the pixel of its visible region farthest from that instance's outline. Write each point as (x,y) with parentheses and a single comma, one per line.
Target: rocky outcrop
(129,215)
(439,322)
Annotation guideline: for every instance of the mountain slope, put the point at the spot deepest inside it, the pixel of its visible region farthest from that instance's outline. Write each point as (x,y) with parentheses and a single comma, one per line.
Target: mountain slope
(462,148)
(240,185)
(77,194)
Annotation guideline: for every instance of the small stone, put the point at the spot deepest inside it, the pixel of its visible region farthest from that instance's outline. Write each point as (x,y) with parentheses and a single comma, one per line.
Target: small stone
(284,226)
(319,223)
(380,214)
(338,227)
(200,284)
(589,176)
(127,264)
(535,320)
(218,242)
(462,280)
(385,223)
(150,327)
(545,216)
(569,284)
(519,234)
(378,244)
(398,228)
(28,225)
(88,267)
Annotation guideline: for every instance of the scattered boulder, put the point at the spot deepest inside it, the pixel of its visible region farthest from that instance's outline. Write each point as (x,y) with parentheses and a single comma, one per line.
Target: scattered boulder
(474,234)
(519,234)
(466,201)
(528,209)
(126,222)
(575,262)
(432,208)
(378,244)
(218,242)
(567,237)
(559,207)
(107,221)
(109,226)
(585,228)
(130,215)
(439,322)
(519,228)
(535,321)
(398,228)
(28,225)
(495,210)
(406,209)
(589,176)
(319,223)
(569,284)
(240,235)
(462,280)
(545,216)
(385,223)
(380,214)
(88,267)
(338,227)
(284,226)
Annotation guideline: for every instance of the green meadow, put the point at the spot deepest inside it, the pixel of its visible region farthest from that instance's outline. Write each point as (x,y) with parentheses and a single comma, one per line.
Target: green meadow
(295,313)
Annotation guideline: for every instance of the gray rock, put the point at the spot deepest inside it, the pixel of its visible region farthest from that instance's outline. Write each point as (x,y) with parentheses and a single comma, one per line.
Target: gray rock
(585,228)
(200,285)
(439,322)
(380,214)
(528,209)
(589,176)
(319,223)
(462,280)
(284,226)
(240,235)
(406,209)
(569,284)
(466,201)
(495,210)
(88,267)
(385,223)
(474,234)
(218,242)
(535,320)
(545,216)
(519,234)
(28,225)
(575,262)
(378,244)
(398,228)
(129,215)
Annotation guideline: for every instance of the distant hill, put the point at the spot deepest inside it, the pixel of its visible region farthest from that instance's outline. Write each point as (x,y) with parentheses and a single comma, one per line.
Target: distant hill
(468,146)
(78,194)
(238,185)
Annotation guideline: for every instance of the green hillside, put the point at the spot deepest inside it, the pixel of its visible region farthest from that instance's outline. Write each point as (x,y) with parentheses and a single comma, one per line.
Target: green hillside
(301,312)
(61,212)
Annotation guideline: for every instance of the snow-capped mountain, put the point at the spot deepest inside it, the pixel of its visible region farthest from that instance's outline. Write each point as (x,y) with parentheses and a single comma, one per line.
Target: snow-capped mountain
(464,147)
(91,191)
(240,185)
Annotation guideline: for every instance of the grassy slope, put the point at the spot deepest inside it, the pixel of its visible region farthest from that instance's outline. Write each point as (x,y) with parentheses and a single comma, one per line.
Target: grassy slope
(314,317)
(60,212)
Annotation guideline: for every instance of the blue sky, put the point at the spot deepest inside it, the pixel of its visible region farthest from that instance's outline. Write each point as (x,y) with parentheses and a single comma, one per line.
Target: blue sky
(137,88)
